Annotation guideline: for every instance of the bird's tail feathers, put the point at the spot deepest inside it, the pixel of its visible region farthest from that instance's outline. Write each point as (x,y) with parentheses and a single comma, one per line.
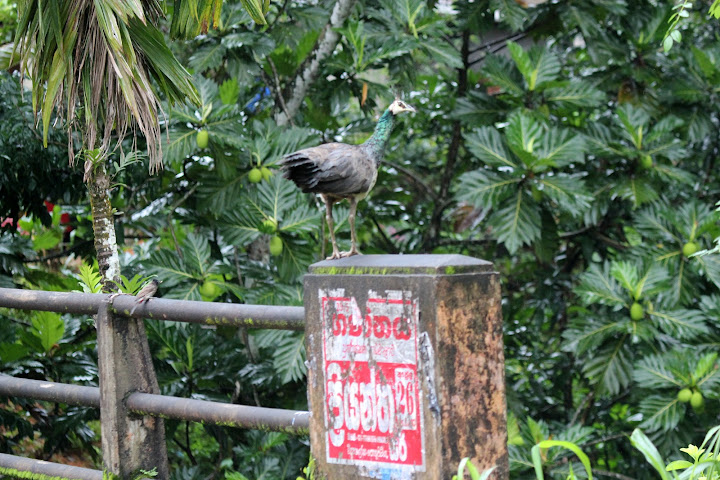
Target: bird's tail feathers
(301,170)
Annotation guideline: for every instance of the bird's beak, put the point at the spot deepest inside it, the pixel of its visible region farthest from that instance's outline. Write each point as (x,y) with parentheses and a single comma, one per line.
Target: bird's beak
(410,109)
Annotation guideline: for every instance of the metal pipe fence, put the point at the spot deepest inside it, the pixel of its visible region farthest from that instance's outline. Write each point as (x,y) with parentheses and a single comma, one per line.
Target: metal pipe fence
(163,406)
(393,341)
(231,314)
(50,391)
(226,414)
(13,465)
(127,380)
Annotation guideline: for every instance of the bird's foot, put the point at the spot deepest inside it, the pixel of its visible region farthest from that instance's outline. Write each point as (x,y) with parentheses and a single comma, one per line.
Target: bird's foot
(352,252)
(335,255)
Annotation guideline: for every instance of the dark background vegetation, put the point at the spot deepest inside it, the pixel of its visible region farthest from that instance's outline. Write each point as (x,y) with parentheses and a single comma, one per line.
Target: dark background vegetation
(559,142)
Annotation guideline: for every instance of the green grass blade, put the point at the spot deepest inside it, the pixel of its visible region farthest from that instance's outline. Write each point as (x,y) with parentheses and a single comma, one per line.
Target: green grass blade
(642,442)
(474,474)
(537,460)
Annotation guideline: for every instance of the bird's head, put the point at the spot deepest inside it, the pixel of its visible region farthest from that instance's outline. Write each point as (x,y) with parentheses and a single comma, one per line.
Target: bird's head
(398,106)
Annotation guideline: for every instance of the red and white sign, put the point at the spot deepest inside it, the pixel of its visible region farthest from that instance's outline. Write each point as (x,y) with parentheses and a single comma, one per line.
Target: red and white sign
(373,414)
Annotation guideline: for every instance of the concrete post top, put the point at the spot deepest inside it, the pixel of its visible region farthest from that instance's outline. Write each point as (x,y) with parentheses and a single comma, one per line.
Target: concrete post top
(401,265)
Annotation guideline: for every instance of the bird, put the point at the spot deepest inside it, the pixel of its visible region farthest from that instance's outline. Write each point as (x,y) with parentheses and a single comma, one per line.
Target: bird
(146,292)
(338,171)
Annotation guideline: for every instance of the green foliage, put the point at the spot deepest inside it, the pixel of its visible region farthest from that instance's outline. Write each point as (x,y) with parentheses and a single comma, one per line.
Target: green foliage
(90,279)
(288,353)
(46,345)
(517,169)
(47,328)
(716,248)
(133,285)
(464,464)
(146,474)
(528,178)
(112,93)
(705,464)
(309,471)
(613,336)
(8,20)
(580,166)
(547,444)
(30,174)
(183,271)
(673,34)
(533,448)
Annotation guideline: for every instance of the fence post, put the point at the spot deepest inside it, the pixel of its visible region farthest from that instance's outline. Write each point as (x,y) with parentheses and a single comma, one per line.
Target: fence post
(130,443)
(405,366)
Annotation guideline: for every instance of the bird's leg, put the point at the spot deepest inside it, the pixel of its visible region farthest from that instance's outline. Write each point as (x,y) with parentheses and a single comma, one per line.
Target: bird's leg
(351,219)
(331,227)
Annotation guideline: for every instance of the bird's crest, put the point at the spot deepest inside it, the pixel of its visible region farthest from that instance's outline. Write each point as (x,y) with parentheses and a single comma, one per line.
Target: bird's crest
(399,106)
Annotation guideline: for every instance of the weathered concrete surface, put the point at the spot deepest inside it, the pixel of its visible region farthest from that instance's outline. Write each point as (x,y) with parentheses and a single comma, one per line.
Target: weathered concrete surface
(129,442)
(472,373)
(379,325)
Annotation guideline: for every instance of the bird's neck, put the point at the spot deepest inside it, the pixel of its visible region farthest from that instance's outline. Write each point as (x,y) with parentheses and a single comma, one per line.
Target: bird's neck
(377,142)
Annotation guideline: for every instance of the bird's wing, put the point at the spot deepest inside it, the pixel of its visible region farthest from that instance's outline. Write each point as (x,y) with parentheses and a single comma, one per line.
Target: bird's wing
(333,168)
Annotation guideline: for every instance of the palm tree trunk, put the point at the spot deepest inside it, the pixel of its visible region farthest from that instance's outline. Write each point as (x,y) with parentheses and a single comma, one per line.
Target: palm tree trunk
(124,357)
(104,228)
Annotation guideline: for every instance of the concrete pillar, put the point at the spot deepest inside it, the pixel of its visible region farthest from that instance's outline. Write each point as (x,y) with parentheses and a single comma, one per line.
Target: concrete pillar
(129,442)
(405,366)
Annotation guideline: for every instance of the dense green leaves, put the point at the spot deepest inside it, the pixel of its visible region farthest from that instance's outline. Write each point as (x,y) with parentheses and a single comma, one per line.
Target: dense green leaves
(518,223)
(537,65)
(525,164)
(277,200)
(47,330)
(288,352)
(30,173)
(618,285)
(581,164)
(610,366)
(485,188)
(487,145)
(184,270)
(661,413)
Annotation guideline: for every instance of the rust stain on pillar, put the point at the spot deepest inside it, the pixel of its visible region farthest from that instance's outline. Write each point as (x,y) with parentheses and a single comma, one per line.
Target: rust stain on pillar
(470,333)
(406,370)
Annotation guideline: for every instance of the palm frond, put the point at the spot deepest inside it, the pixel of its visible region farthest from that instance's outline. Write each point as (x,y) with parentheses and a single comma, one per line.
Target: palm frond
(100,57)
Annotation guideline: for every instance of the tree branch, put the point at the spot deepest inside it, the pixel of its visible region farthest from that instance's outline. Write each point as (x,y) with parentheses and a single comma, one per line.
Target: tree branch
(412,176)
(491,43)
(310,69)
(278,91)
(433,232)
(389,244)
(495,46)
(186,449)
(280,12)
(605,473)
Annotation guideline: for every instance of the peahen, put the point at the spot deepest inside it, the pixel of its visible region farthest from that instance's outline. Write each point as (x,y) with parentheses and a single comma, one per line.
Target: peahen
(337,170)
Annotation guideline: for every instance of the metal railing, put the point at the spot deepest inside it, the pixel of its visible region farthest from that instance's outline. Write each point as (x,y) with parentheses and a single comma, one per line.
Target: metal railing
(120,330)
